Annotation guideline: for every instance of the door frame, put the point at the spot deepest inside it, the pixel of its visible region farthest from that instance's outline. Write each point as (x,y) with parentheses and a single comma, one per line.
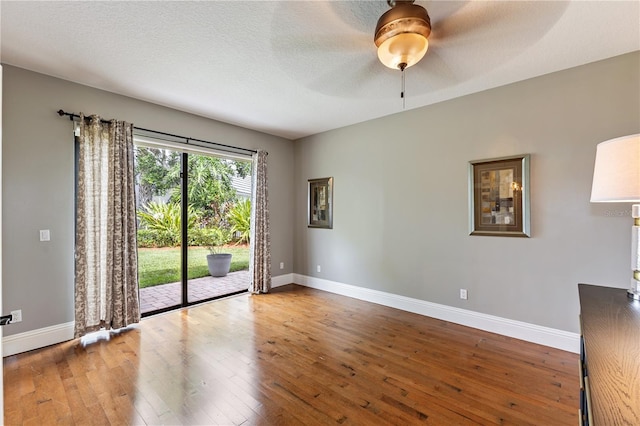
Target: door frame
(184,188)
(1,306)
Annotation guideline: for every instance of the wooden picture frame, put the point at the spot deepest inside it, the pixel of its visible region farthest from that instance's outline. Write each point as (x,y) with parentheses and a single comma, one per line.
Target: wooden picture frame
(320,203)
(499,197)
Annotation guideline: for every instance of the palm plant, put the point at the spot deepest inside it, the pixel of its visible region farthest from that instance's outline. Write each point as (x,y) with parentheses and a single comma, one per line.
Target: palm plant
(165,219)
(209,188)
(239,218)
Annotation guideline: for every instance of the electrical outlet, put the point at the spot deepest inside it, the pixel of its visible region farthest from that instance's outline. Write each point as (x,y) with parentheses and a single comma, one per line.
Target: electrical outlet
(463,294)
(319,269)
(281,265)
(45,235)
(16,316)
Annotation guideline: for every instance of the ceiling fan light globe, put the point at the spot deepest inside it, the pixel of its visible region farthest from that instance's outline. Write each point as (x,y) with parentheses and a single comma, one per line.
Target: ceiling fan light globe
(404,48)
(402,34)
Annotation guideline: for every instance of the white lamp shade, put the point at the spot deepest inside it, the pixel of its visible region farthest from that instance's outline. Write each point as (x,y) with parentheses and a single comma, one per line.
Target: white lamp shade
(616,174)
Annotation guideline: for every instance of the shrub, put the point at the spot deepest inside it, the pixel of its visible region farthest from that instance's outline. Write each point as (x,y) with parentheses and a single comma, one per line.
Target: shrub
(146,238)
(163,222)
(150,238)
(240,219)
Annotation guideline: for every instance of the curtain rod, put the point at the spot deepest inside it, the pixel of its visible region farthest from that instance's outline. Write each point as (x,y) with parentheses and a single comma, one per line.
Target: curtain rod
(187,139)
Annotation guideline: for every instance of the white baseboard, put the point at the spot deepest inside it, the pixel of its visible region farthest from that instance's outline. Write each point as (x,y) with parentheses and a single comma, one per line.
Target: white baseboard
(546,336)
(281,280)
(35,339)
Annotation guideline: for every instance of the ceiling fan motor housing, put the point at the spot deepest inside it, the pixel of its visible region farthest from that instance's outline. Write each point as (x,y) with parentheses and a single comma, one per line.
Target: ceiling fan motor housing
(401,35)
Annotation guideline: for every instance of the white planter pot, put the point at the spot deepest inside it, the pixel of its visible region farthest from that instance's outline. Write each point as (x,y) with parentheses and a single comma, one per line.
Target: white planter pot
(219,264)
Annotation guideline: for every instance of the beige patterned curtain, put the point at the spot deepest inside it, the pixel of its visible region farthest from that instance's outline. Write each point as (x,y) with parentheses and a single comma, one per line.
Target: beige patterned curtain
(106,270)
(260,241)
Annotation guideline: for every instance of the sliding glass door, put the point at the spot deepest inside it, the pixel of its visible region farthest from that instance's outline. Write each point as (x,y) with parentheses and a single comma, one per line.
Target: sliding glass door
(159,208)
(193,227)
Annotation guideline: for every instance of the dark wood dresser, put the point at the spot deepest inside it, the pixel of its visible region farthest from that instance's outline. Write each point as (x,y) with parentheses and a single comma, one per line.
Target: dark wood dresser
(609,357)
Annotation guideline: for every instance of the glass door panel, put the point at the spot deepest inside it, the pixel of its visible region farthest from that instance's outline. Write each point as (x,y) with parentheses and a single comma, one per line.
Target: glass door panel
(159,207)
(218,253)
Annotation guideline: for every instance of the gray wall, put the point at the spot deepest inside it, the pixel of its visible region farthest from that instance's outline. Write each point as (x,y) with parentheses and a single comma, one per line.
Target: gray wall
(38,185)
(401,203)
(401,197)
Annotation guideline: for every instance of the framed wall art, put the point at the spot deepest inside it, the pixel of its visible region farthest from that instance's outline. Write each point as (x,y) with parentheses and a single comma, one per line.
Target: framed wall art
(499,197)
(320,203)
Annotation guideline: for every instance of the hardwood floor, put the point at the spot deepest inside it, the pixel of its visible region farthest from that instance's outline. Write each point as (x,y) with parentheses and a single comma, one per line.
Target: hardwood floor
(295,356)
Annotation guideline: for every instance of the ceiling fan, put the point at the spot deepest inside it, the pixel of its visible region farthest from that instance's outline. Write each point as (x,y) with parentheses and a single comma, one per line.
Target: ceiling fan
(331,46)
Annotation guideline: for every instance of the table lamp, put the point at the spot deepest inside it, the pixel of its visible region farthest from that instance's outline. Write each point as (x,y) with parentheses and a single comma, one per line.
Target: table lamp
(616,179)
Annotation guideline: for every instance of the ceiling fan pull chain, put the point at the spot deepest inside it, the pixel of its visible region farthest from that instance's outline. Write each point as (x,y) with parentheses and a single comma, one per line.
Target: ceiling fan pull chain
(402,89)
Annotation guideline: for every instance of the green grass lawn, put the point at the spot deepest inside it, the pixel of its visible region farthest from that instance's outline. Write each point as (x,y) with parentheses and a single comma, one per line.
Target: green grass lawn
(162,265)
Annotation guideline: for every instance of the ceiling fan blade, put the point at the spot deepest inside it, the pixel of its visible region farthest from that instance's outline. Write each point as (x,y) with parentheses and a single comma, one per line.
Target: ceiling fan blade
(320,43)
(480,23)
(472,39)
(434,71)
(312,39)
(363,79)
(359,15)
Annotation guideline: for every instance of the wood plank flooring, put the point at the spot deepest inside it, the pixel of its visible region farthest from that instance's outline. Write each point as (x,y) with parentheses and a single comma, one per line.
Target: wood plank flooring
(295,356)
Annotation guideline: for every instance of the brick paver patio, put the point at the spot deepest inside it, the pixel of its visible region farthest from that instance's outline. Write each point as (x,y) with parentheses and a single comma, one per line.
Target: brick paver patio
(166,295)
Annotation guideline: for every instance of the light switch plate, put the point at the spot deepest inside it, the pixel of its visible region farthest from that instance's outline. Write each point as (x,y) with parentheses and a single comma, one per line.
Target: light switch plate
(45,235)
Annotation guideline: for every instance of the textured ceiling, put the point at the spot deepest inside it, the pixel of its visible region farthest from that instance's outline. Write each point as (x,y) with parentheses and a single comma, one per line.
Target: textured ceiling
(302,67)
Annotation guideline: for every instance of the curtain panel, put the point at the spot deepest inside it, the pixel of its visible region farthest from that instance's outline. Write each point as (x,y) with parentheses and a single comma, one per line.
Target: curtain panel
(260,240)
(106,270)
